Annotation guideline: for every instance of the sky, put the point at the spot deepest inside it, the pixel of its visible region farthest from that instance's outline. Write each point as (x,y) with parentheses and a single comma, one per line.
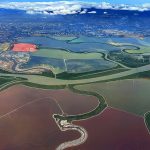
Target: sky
(132,2)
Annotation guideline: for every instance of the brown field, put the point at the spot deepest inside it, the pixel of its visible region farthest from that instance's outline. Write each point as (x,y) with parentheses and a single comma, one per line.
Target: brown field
(70,102)
(73,103)
(31,126)
(115,130)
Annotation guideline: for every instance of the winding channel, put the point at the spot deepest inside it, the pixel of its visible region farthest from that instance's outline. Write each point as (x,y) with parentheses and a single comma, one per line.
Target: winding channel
(65,122)
(100,107)
(66,126)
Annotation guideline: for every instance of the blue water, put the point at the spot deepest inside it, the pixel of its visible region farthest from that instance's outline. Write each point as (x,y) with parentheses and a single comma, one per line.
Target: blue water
(80,66)
(73,47)
(36,61)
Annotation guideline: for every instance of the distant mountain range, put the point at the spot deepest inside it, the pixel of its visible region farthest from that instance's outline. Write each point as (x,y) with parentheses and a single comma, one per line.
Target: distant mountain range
(66,7)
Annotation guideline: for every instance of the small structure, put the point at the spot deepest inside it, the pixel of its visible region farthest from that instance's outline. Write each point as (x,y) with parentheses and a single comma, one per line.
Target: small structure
(24,47)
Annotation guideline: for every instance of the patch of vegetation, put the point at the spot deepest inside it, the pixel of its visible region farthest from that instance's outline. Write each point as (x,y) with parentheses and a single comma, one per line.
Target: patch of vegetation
(7,81)
(141,50)
(48,74)
(100,74)
(44,86)
(4,71)
(66,75)
(128,60)
(145,74)
(147,120)
(91,74)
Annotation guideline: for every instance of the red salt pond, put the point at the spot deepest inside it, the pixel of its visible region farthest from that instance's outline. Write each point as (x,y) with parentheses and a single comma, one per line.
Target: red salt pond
(70,102)
(24,47)
(115,130)
(26,121)
(33,127)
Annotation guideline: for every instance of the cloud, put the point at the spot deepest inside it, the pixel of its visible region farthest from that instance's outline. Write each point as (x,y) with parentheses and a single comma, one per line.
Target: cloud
(92,12)
(67,7)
